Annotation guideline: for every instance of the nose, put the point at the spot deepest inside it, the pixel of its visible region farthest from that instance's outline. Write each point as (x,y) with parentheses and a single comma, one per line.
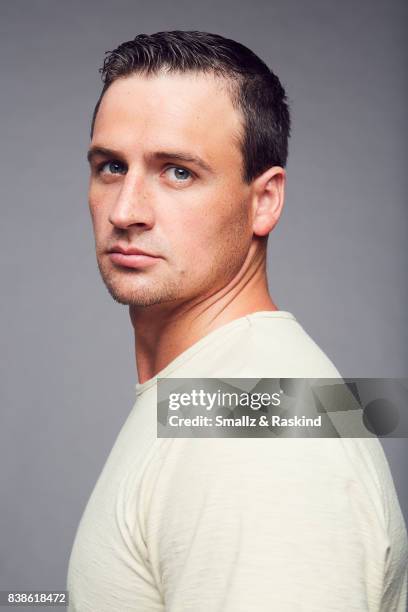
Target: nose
(132,206)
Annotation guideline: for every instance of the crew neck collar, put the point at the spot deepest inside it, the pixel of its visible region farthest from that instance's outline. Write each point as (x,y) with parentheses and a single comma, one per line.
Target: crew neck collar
(218,331)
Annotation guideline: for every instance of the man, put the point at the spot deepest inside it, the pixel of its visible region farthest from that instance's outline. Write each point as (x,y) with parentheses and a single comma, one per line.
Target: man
(188,150)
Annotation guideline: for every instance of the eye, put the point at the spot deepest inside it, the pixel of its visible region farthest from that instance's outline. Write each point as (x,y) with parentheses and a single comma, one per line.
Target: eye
(111,167)
(179,174)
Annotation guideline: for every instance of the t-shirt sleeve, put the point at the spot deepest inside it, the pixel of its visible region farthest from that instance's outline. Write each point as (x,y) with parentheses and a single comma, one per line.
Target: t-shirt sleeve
(255,525)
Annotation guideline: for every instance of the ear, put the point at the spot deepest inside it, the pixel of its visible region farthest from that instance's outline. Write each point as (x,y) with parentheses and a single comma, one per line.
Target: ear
(268,194)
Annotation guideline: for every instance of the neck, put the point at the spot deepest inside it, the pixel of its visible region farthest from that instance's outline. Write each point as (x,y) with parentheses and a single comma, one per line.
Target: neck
(162,332)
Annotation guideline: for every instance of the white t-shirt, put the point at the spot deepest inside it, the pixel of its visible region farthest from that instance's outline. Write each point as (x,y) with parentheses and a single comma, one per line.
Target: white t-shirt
(240,524)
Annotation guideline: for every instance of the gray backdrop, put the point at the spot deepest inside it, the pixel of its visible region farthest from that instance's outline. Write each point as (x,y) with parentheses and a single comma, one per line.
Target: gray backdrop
(337,259)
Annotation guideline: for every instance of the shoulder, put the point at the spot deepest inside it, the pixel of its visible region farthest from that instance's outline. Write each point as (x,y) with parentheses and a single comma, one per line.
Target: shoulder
(192,471)
(347,476)
(278,346)
(280,511)
(286,494)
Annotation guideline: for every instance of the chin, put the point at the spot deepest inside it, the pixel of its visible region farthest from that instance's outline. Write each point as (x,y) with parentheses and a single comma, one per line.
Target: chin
(124,293)
(134,289)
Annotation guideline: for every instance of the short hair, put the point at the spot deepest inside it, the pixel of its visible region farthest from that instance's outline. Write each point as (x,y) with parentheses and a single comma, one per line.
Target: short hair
(254,88)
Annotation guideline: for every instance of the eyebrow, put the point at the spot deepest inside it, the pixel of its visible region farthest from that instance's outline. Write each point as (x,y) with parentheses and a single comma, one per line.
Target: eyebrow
(103,152)
(183,157)
(176,155)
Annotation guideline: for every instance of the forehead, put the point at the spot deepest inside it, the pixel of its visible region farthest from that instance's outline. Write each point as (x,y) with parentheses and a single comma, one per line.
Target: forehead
(164,110)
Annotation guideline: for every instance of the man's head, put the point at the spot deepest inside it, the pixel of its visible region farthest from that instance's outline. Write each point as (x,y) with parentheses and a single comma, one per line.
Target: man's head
(189,142)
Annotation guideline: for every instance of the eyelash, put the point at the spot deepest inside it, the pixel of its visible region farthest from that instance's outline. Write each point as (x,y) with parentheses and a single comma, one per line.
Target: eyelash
(101,166)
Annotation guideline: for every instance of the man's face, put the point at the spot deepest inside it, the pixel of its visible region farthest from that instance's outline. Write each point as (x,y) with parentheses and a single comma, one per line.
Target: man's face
(170,186)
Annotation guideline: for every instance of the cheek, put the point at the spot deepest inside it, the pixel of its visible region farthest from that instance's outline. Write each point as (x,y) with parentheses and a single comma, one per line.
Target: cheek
(100,224)
(197,234)
(99,202)
(94,205)
(96,216)
(211,232)
(229,220)
(100,199)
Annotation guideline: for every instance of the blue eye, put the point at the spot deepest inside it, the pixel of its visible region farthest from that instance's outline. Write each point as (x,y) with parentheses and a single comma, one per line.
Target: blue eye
(113,167)
(180,174)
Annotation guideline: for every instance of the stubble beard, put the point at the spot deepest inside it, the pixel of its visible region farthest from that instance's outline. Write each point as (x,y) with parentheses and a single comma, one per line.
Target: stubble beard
(143,288)
(139,289)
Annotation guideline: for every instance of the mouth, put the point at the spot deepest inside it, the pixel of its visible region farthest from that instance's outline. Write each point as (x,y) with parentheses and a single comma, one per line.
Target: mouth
(132,261)
(131,258)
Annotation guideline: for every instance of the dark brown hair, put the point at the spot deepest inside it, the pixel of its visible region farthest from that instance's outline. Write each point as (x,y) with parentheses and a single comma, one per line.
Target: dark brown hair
(255,89)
